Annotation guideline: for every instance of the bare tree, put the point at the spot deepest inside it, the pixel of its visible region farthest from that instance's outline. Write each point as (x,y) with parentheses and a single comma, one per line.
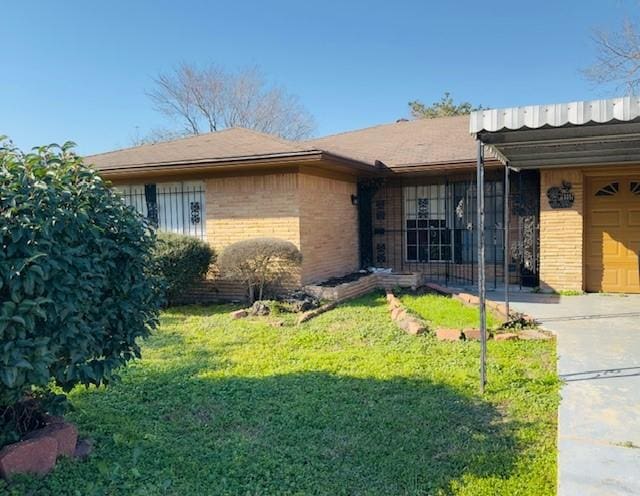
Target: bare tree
(618,59)
(211,99)
(157,135)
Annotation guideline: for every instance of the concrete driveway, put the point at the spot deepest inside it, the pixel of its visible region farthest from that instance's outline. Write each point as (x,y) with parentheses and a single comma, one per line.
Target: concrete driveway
(598,339)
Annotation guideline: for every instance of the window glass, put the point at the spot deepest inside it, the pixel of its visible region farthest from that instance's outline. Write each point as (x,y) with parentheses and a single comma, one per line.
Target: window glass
(178,207)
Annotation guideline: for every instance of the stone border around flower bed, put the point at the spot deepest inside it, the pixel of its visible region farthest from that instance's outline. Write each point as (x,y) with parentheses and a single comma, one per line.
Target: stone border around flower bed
(415,326)
(38,452)
(404,320)
(498,307)
(473,300)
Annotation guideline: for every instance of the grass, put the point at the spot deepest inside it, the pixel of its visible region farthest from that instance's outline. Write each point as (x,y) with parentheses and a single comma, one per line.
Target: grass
(443,311)
(569,292)
(345,404)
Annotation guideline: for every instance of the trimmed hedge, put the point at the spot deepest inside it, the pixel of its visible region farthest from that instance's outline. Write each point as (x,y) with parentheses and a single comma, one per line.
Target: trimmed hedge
(260,263)
(77,280)
(182,261)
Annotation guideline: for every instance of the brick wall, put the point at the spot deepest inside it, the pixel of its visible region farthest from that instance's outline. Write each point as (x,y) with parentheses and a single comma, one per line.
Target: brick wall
(315,213)
(245,207)
(328,227)
(561,234)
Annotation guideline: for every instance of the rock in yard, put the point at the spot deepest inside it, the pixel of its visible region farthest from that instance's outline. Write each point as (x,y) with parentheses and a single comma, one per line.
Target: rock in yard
(65,434)
(505,336)
(394,302)
(498,307)
(299,301)
(528,334)
(239,314)
(259,308)
(467,298)
(472,334)
(448,334)
(32,456)
(83,449)
(412,326)
(398,314)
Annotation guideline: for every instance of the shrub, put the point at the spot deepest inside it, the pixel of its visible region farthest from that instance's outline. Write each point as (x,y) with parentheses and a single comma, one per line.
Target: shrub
(77,283)
(260,262)
(181,260)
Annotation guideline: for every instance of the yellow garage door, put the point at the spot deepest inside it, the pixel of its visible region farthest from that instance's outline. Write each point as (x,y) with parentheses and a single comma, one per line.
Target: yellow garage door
(612,234)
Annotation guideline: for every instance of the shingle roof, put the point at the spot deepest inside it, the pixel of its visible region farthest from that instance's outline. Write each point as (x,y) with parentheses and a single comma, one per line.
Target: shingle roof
(420,141)
(233,143)
(444,140)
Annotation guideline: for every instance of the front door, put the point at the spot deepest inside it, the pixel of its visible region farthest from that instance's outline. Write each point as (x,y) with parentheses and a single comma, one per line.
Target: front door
(612,234)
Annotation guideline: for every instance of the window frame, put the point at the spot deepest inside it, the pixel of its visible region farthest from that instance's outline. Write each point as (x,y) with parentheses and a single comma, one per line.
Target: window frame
(427,223)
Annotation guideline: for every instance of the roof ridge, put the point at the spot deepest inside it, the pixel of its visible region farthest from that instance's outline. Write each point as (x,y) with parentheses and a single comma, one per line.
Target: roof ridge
(148,145)
(272,137)
(385,124)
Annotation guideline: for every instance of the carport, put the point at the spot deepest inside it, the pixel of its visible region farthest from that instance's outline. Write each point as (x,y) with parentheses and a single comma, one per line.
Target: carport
(588,155)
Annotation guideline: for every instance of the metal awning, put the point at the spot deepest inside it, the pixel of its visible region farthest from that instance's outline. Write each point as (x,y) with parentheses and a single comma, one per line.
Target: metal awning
(597,132)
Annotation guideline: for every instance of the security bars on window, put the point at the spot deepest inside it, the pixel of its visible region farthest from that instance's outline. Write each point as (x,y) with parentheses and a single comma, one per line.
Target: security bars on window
(176,207)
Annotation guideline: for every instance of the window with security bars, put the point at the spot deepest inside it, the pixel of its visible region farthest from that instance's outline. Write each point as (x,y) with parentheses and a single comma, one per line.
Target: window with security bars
(440,218)
(176,207)
(427,224)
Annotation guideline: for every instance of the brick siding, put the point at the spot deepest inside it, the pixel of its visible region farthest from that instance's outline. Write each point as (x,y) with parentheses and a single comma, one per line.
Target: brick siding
(313,212)
(561,234)
(328,227)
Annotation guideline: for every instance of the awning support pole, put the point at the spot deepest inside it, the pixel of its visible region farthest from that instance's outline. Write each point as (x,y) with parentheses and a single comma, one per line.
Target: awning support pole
(481,267)
(507,257)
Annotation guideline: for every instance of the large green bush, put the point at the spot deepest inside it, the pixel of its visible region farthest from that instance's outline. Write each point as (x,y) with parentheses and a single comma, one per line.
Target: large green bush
(77,283)
(182,260)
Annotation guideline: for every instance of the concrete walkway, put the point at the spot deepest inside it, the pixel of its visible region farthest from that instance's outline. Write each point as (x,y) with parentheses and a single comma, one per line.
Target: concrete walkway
(598,339)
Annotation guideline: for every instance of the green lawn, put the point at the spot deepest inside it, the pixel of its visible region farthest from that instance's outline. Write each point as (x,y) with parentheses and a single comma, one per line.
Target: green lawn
(344,404)
(443,311)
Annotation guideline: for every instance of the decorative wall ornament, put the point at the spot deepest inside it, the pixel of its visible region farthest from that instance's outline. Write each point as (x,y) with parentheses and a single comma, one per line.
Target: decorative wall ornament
(381,253)
(460,209)
(195,212)
(561,196)
(151,198)
(423,208)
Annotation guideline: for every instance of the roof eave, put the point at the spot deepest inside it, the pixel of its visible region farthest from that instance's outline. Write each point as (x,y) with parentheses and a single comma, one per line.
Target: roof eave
(439,167)
(264,162)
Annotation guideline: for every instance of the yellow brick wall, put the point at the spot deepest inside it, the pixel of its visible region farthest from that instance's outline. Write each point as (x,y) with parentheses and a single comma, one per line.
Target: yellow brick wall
(328,227)
(315,213)
(561,233)
(245,207)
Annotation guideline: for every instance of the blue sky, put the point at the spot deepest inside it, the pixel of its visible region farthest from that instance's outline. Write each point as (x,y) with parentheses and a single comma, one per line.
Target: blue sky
(78,70)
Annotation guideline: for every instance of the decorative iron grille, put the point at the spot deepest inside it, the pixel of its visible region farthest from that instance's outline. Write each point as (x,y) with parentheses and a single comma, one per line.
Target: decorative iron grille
(172,207)
(429,227)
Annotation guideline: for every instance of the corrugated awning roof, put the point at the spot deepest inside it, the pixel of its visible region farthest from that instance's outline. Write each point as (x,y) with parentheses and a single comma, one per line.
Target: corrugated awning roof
(622,109)
(597,132)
